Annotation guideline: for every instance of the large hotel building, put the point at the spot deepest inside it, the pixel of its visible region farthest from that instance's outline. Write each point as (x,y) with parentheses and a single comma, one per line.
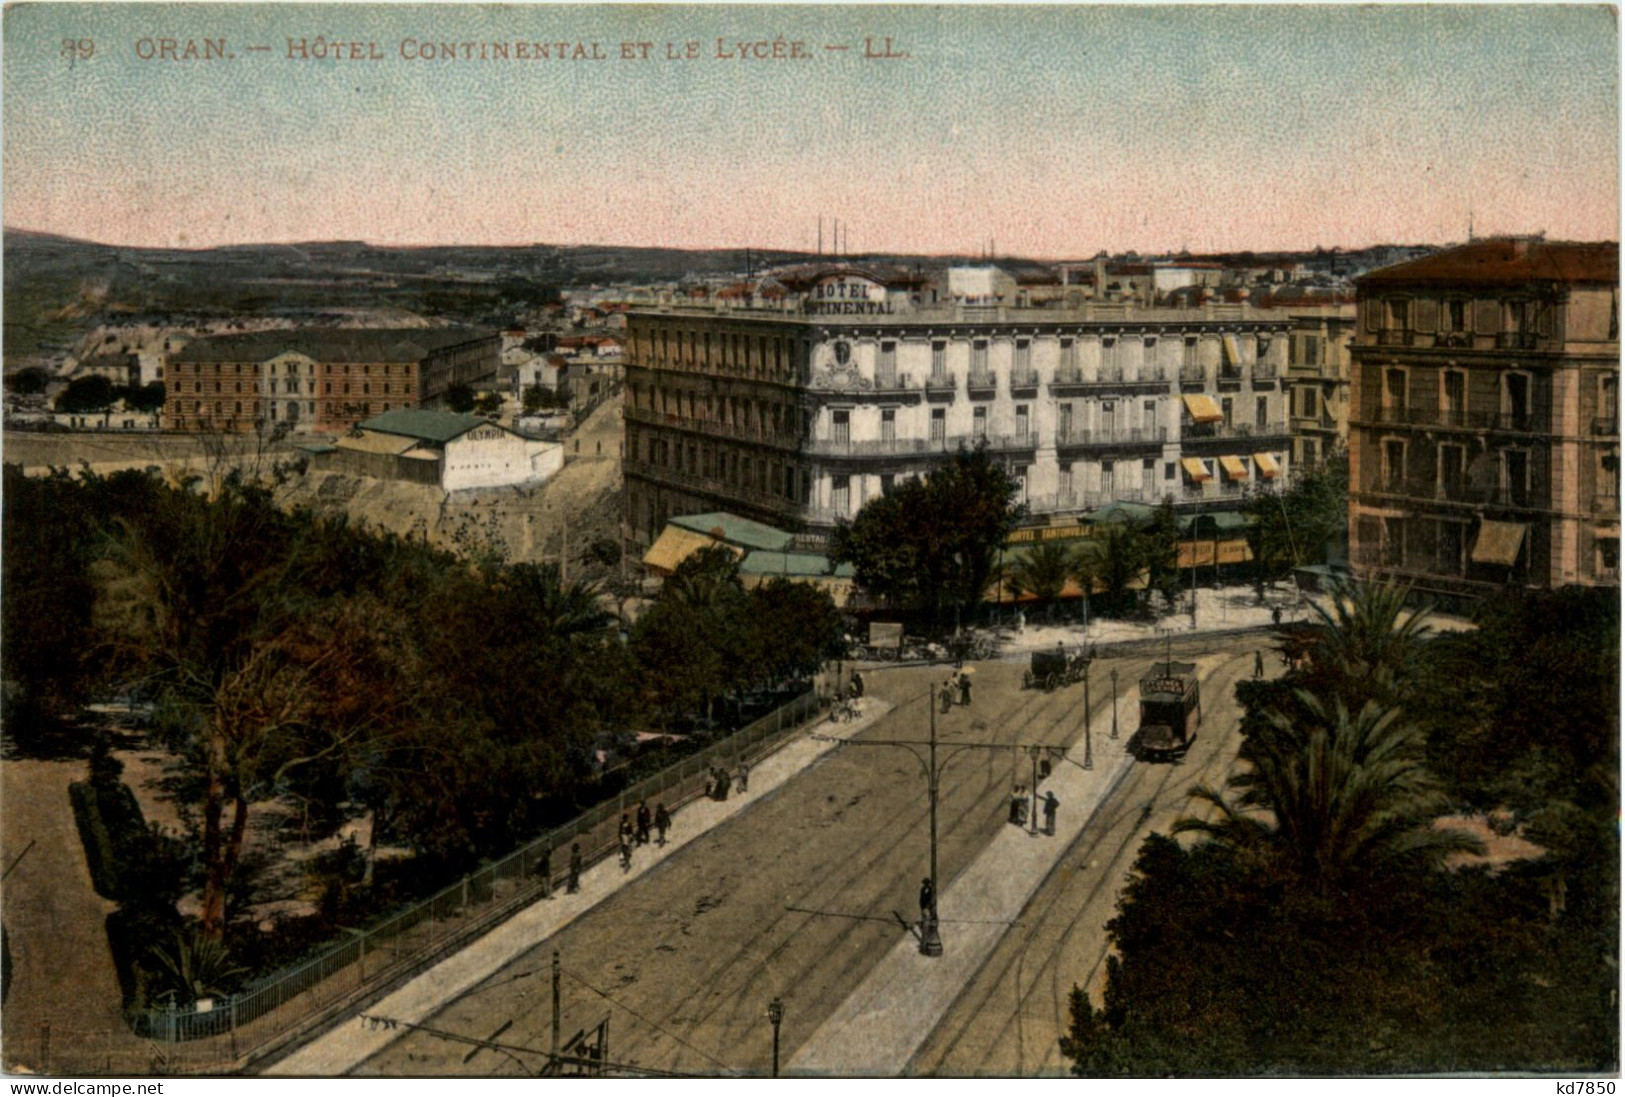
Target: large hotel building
(794,404)
(1484,448)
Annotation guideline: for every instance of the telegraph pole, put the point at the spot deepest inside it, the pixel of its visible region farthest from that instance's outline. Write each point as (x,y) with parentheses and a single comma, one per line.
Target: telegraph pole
(1088,745)
(930,938)
(555,1052)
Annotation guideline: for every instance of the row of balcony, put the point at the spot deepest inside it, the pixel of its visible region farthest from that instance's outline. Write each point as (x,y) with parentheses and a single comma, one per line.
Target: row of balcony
(948,443)
(1429,489)
(1503,340)
(1524,422)
(892,382)
(1203,432)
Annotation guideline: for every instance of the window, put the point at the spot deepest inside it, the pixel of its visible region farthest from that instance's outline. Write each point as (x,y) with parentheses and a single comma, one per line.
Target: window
(1023,423)
(1393,542)
(1311,352)
(1518,316)
(979,422)
(1516,406)
(1393,465)
(1453,401)
(1515,463)
(1063,483)
(939,424)
(1108,357)
(888,424)
(1108,417)
(1451,544)
(1018,473)
(978,356)
(886,373)
(1168,470)
(1608,480)
(1108,477)
(1148,479)
(887,482)
(841,420)
(1393,388)
(1190,358)
(840,494)
(1399,314)
(1148,417)
(1069,355)
(1024,355)
(1452,471)
(1063,421)
(1227,406)
(1455,315)
(939,359)
(1261,413)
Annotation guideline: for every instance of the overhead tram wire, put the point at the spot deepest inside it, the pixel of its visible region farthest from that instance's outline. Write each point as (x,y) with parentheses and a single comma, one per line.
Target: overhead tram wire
(664,1031)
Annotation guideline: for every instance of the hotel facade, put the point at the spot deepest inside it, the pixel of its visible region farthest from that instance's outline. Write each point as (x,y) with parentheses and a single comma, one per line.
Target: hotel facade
(796,408)
(1484,446)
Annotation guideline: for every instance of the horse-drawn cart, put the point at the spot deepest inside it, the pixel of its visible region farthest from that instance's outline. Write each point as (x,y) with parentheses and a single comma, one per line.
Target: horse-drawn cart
(1053,669)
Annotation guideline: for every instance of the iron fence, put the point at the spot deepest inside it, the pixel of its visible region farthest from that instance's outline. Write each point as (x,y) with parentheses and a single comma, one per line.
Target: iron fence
(222,1035)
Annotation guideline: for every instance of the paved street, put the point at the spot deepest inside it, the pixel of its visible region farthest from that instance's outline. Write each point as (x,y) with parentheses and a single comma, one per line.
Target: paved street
(798,897)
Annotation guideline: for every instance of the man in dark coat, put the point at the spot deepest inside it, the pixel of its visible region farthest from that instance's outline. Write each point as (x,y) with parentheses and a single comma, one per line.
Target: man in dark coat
(544,869)
(662,821)
(1050,804)
(644,820)
(575,868)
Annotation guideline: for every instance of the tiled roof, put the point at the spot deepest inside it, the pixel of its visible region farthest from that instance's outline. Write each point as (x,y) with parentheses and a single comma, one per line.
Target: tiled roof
(428,426)
(1506,261)
(328,344)
(736,530)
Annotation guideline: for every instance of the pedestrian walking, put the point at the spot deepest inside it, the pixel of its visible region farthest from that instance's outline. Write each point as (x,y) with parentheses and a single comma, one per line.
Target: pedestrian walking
(928,901)
(575,868)
(964,688)
(857,684)
(644,819)
(742,777)
(624,832)
(662,821)
(1258,664)
(1275,614)
(947,693)
(626,853)
(544,869)
(1018,805)
(1050,804)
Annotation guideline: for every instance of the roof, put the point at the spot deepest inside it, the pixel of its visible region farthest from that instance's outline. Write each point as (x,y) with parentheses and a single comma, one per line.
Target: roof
(672,547)
(798,565)
(328,344)
(373,442)
(428,426)
(1505,261)
(1137,513)
(1223,521)
(722,526)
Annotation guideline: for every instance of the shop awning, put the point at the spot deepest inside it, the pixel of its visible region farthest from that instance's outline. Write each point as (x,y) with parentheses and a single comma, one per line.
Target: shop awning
(1268,467)
(675,545)
(1498,543)
(1232,353)
(1203,409)
(1234,467)
(1195,469)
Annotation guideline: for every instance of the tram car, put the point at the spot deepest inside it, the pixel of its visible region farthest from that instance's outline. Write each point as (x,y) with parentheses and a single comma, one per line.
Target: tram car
(1170,710)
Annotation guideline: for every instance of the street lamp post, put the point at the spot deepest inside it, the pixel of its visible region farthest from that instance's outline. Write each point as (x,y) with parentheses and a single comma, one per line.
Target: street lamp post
(930,939)
(1114,702)
(1088,743)
(775,1014)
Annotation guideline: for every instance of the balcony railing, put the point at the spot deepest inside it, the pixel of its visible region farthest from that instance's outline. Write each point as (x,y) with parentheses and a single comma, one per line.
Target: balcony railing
(786,439)
(1192,375)
(1200,432)
(980,381)
(939,382)
(1266,371)
(1024,379)
(1064,501)
(1451,417)
(1396,337)
(1515,340)
(1214,489)
(1121,436)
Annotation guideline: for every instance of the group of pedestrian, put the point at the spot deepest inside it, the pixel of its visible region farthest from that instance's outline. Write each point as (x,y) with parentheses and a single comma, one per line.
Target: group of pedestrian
(1019,800)
(956,689)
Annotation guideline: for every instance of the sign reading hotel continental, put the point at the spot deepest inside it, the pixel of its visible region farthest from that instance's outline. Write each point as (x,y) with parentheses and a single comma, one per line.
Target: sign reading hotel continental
(848,295)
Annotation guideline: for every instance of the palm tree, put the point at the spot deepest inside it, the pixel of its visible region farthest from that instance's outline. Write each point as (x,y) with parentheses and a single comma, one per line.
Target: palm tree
(1043,572)
(563,611)
(1333,796)
(1116,561)
(1368,643)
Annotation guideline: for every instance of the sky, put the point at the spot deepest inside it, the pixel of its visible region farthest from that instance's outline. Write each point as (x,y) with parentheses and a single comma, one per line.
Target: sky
(1048,131)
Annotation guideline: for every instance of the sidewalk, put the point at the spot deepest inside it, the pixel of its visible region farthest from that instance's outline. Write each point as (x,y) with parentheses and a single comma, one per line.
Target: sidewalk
(341,1049)
(884,1022)
(1217,609)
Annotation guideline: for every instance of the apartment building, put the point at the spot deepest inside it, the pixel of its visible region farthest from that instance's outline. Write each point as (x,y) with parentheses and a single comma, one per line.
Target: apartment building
(795,414)
(1484,445)
(1318,377)
(322,380)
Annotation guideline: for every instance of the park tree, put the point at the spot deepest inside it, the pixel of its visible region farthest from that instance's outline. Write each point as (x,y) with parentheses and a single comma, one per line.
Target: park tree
(146,398)
(460,398)
(87,395)
(1295,526)
(929,544)
(488,403)
(28,382)
(535,398)
(1044,570)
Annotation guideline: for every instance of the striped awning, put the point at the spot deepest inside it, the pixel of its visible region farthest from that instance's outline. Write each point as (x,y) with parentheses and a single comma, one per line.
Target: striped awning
(1232,353)
(1195,469)
(1498,543)
(1203,409)
(1268,467)
(1234,467)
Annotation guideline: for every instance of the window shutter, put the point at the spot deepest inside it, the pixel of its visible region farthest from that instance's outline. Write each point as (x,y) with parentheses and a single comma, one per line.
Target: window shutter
(1373,314)
(1486,317)
(1427,315)
(1543,318)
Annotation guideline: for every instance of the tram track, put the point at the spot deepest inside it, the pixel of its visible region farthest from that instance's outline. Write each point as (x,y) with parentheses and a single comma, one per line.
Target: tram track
(973,1031)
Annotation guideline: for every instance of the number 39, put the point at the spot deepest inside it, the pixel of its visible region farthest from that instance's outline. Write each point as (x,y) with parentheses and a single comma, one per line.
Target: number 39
(78,49)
